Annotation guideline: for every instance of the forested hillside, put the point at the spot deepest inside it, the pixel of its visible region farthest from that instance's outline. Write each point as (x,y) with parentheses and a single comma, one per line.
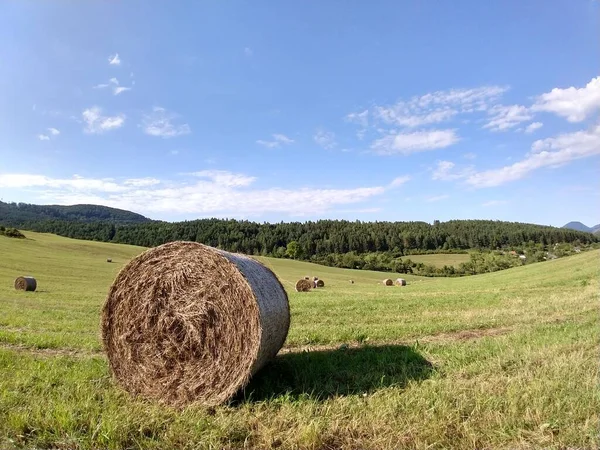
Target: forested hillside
(318,239)
(23,214)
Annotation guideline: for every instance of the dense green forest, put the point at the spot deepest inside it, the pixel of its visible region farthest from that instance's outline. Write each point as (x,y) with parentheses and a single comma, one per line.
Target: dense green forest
(383,246)
(21,214)
(306,240)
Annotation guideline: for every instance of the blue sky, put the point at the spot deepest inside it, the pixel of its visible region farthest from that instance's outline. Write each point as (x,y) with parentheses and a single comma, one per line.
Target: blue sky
(276,111)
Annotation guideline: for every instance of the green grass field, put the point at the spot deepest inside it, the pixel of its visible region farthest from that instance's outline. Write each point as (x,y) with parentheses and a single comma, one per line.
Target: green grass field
(440,259)
(501,360)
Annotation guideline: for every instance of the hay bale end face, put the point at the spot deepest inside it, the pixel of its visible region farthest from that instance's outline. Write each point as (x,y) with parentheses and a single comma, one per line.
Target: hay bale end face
(303,285)
(108,260)
(388,282)
(320,283)
(25,284)
(400,282)
(351,281)
(186,323)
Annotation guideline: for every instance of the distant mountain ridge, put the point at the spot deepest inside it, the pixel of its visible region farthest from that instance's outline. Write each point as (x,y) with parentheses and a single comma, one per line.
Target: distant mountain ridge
(578,226)
(17,214)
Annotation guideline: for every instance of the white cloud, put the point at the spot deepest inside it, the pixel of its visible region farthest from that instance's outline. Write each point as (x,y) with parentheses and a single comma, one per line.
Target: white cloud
(361,118)
(505,117)
(117,90)
(43,137)
(494,203)
(399,181)
(469,155)
(405,119)
(141,182)
(101,86)
(96,123)
(418,141)
(114,60)
(571,103)
(325,139)
(533,126)
(550,152)
(113,80)
(278,140)
(54,131)
(19,180)
(437,107)
(160,123)
(437,198)
(207,192)
(248,52)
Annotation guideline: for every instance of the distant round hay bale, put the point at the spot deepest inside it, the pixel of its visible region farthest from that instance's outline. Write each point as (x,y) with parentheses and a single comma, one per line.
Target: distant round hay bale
(303,285)
(307,277)
(351,281)
(388,282)
(400,282)
(186,323)
(320,283)
(25,284)
(108,260)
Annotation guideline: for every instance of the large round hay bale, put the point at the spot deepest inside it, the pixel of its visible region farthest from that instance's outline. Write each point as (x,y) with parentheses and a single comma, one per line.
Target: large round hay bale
(186,323)
(303,285)
(400,282)
(388,282)
(320,283)
(25,284)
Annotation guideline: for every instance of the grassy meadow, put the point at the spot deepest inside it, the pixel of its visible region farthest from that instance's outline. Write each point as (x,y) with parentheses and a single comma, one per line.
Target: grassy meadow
(501,360)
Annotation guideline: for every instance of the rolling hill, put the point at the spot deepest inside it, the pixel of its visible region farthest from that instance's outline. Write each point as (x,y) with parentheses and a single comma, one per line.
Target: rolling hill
(18,214)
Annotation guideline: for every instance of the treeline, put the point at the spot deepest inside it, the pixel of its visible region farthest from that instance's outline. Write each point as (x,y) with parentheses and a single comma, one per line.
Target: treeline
(317,240)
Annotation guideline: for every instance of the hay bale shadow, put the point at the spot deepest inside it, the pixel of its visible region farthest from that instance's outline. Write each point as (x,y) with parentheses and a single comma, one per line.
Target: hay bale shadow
(325,374)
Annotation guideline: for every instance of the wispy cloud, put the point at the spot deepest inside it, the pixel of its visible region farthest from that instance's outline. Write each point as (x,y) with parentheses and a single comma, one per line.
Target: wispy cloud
(116,88)
(96,123)
(574,104)
(160,123)
(437,107)
(469,155)
(325,139)
(54,131)
(114,60)
(43,137)
(533,126)
(248,52)
(418,141)
(399,181)
(448,171)
(119,89)
(278,141)
(550,152)
(437,198)
(506,117)
(205,192)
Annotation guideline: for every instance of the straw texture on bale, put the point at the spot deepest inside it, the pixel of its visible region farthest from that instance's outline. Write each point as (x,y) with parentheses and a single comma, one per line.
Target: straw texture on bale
(25,284)
(320,283)
(388,282)
(400,282)
(186,323)
(303,285)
